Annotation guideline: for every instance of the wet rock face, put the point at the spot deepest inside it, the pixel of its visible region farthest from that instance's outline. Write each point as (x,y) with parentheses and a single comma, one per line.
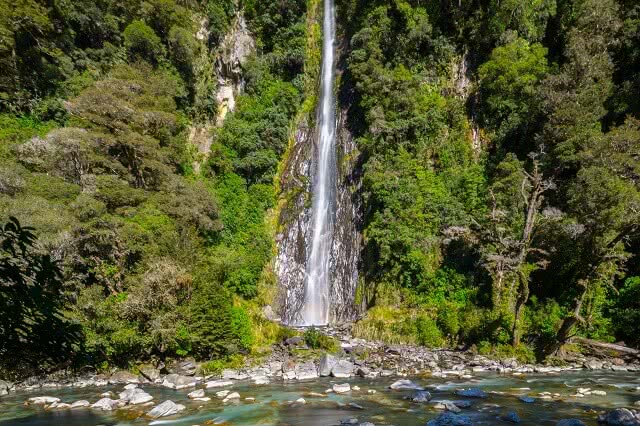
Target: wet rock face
(294,233)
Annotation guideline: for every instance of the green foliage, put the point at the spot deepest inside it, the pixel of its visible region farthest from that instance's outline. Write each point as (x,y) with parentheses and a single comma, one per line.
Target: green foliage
(35,334)
(625,312)
(142,42)
(317,340)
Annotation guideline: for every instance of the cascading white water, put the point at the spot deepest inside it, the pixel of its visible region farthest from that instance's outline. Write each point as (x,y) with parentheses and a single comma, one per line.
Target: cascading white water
(315,310)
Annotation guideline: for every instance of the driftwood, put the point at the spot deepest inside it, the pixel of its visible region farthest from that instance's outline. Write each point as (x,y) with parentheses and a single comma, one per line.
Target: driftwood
(602,345)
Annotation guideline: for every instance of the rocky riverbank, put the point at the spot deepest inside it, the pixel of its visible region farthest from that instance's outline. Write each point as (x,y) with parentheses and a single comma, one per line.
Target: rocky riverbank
(292,360)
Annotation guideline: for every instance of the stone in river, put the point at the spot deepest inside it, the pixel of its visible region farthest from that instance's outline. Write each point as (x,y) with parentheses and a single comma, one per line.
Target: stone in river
(81,404)
(462,404)
(420,396)
(527,399)
(301,401)
(405,385)
(450,419)
(366,424)
(218,383)
(349,421)
(511,417)
(39,400)
(342,388)
(342,369)
(176,381)
(472,393)
(5,387)
(231,396)
(106,404)
(167,408)
(570,422)
(619,417)
(327,361)
(123,376)
(196,394)
(135,396)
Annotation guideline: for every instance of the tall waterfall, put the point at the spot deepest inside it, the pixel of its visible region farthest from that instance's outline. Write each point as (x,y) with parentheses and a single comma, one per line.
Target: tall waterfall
(315,310)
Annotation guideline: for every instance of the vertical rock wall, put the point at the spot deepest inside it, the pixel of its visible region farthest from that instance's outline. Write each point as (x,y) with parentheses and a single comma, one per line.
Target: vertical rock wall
(293,236)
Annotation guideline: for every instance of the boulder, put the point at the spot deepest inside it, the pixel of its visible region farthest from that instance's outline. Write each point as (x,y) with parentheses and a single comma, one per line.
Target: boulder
(135,396)
(232,396)
(218,383)
(527,399)
(167,408)
(269,314)
(462,404)
(327,361)
(405,385)
(130,386)
(41,400)
(306,371)
(81,404)
(472,393)
(450,419)
(570,422)
(619,417)
(176,381)
(149,372)
(420,396)
(188,367)
(511,417)
(294,341)
(341,388)
(196,394)
(106,404)
(60,405)
(349,421)
(5,387)
(234,375)
(363,372)
(122,376)
(342,369)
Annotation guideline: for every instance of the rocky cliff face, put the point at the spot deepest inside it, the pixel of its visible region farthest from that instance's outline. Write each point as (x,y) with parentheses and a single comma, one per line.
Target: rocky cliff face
(293,236)
(219,75)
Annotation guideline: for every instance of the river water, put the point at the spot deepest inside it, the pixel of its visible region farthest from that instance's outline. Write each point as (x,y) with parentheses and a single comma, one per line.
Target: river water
(272,404)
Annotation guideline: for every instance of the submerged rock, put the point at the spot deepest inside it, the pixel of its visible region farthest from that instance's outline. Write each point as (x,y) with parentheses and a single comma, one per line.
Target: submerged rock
(527,399)
(472,393)
(167,408)
(420,396)
(511,417)
(570,422)
(450,419)
(619,417)
(405,385)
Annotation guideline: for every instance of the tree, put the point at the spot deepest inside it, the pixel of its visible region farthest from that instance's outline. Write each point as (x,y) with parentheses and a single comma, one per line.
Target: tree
(509,248)
(509,80)
(142,43)
(35,334)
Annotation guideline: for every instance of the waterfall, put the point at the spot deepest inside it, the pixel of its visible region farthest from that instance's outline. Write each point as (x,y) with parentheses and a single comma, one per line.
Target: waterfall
(315,310)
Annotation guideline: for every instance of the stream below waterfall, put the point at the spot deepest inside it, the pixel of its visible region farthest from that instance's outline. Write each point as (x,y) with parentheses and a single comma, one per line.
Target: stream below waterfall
(273,402)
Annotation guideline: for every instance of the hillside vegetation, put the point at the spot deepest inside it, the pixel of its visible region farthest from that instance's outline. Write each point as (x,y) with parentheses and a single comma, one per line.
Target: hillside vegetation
(499,144)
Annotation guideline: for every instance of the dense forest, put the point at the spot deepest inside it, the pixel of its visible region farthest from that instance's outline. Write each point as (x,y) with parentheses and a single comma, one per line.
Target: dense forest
(499,145)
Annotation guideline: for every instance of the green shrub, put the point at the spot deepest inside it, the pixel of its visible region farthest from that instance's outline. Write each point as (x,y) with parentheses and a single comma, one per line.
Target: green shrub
(317,340)
(427,332)
(142,42)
